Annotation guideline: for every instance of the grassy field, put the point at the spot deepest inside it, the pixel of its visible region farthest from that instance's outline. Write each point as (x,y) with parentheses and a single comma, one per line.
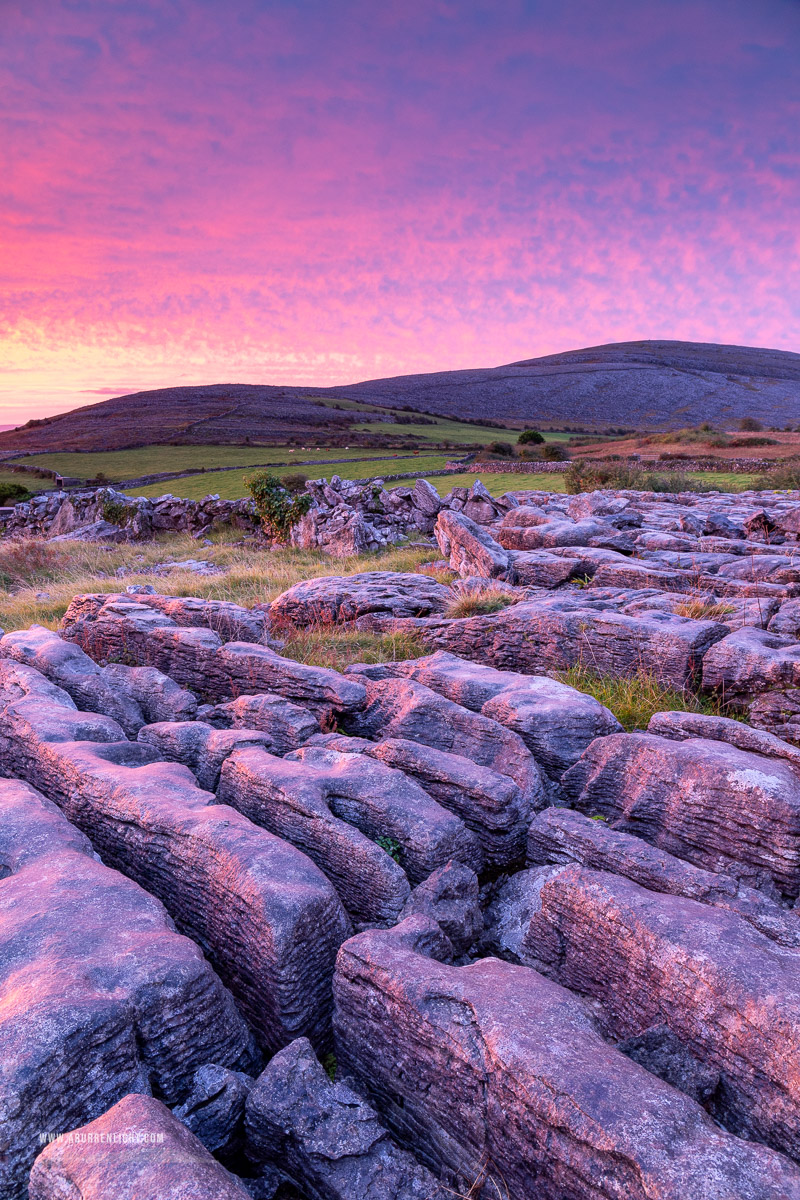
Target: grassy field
(151,460)
(497,484)
(252,574)
(230,485)
(27,481)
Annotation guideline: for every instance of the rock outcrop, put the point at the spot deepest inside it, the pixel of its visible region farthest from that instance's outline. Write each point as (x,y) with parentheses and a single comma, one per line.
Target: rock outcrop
(99,995)
(135,1151)
(476,1045)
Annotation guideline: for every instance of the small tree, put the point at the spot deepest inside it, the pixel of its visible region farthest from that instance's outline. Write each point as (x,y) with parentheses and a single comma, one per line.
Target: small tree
(750,425)
(278,511)
(530,437)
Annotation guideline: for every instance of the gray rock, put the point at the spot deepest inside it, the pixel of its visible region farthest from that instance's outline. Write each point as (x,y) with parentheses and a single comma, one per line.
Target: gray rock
(214,1108)
(450,897)
(498,1075)
(331,599)
(136,1151)
(326,1138)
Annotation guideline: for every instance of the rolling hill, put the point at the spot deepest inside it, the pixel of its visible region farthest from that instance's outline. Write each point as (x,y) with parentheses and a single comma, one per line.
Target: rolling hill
(646,385)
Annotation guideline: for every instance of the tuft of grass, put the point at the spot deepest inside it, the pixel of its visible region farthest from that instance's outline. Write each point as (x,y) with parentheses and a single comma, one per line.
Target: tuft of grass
(476,604)
(329,646)
(635,699)
(701,610)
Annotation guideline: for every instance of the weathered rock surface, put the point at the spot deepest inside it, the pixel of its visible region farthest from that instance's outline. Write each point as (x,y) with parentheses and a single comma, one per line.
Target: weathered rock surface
(556,722)
(403,708)
(369,827)
(136,1151)
(559,835)
(197,658)
(749,661)
(682,725)
(717,806)
(653,960)
(214,1108)
(326,1138)
(499,1074)
(199,747)
(333,599)
(450,896)
(286,724)
(99,995)
(265,915)
(537,636)
(489,804)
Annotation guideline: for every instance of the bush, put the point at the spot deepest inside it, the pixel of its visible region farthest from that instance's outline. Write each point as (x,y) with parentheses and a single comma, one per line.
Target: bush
(13,493)
(278,511)
(116,512)
(784,479)
(585,476)
(750,425)
(530,436)
(504,449)
(294,482)
(554,453)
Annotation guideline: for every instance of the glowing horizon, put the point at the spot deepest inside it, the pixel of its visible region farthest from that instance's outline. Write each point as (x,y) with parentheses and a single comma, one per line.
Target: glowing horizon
(315,194)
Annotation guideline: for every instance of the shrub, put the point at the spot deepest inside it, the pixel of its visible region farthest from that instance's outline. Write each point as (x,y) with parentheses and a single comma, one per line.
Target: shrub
(294,482)
(530,437)
(750,425)
(588,477)
(753,441)
(782,479)
(278,511)
(13,493)
(116,512)
(503,449)
(554,453)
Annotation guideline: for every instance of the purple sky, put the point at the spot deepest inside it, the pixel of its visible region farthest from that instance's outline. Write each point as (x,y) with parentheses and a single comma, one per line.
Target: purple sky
(320,192)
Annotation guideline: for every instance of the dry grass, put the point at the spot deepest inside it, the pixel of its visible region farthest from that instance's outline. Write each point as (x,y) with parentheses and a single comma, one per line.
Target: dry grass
(634,700)
(251,573)
(327,646)
(702,610)
(476,604)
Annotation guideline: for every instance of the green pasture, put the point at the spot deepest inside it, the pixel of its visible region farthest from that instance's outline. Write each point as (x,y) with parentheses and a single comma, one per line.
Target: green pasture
(152,460)
(230,485)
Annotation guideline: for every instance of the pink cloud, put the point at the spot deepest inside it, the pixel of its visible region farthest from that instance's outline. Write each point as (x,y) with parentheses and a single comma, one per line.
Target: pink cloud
(313,193)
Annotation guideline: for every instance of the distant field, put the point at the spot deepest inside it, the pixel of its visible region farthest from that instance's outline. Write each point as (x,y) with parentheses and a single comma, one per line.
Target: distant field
(27,481)
(152,460)
(230,485)
(497,484)
(452,431)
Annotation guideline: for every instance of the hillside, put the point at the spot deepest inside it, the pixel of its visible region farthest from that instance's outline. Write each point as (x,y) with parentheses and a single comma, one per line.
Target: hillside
(641,384)
(648,385)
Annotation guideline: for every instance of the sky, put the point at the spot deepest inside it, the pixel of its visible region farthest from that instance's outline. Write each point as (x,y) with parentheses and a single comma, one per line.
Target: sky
(323,191)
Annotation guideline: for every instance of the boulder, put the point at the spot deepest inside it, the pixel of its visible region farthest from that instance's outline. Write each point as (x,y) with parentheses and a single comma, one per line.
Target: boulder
(286,725)
(326,1138)
(556,722)
(403,708)
(655,960)
(490,804)
(537,636)
(136,1151)
(368,827)
(498,1075)
(750,661)
(450,897)
(717,806)
(333,599)
(470,549)
(99,995)
(199,747)
(214,1108)
(560,835)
